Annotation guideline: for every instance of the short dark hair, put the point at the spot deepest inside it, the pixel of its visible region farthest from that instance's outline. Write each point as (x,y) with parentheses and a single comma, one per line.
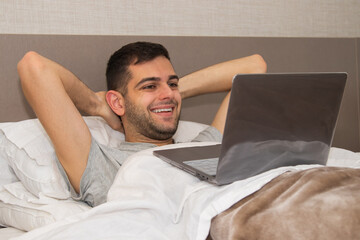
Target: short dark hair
(117,71)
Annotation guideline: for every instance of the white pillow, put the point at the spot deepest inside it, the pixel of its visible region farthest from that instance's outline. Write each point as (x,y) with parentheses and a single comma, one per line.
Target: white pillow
(7,174)
(187,131)
(31,155)
(22,210)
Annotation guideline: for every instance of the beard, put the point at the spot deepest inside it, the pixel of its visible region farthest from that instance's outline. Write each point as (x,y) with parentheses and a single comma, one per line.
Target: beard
(146,125)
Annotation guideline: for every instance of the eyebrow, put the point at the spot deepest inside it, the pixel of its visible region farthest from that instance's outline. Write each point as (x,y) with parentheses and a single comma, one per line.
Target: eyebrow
(151,79)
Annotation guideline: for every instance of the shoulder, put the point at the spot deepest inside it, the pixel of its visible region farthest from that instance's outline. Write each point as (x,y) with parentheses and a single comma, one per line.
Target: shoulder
(209,134)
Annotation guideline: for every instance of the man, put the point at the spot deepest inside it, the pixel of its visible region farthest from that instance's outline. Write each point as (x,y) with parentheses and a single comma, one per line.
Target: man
(143,91)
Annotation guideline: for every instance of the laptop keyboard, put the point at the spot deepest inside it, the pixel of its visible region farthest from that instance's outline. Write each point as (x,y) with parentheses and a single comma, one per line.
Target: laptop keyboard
(208,166)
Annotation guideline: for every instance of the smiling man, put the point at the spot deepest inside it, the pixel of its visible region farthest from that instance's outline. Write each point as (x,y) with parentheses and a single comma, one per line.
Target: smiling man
(150,103)
(143,100)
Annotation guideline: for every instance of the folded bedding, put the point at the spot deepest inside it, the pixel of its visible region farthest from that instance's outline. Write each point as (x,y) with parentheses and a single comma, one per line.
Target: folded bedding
(151,199)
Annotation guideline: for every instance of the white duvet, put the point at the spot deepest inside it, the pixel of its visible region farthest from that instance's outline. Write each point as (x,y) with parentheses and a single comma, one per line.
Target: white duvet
(152,200)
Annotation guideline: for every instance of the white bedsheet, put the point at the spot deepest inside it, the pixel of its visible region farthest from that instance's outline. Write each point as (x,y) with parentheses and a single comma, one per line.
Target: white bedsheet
(9,232)
(152,200)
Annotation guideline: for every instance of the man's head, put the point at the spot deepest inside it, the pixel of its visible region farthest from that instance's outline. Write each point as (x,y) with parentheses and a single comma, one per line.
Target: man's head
(143,91)
(117,71)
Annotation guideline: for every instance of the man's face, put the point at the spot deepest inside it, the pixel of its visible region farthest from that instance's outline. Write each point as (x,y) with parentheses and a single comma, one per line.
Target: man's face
(153,101)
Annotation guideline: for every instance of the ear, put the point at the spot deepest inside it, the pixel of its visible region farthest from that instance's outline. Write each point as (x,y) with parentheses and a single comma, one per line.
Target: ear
(116,102)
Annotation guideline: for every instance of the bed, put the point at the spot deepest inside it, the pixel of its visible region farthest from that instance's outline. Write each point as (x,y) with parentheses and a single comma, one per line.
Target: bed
(153,200)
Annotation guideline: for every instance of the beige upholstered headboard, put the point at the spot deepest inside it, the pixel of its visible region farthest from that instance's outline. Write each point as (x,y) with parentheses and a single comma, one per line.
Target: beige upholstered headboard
(86,56)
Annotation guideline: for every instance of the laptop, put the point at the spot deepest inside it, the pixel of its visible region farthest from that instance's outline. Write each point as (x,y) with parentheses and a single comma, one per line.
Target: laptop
(273,120)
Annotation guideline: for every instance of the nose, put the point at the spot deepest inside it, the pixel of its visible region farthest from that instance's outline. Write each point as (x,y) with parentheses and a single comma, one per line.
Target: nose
(165,92)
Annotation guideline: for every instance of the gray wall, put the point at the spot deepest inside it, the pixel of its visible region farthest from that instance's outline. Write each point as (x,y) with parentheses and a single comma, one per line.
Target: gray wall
(86,56)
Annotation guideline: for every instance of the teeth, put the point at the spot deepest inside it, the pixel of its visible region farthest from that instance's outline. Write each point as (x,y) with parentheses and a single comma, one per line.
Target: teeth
(162,110)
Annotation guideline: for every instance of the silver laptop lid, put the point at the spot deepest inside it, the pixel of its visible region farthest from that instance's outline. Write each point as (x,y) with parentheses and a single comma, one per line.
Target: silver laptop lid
(280,120)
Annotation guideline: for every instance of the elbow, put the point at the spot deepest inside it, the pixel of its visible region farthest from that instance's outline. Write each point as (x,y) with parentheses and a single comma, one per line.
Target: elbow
(30,65)
(259,64)
(30,61)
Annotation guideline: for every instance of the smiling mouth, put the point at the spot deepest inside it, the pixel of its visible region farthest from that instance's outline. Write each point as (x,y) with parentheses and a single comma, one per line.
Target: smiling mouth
(161,110)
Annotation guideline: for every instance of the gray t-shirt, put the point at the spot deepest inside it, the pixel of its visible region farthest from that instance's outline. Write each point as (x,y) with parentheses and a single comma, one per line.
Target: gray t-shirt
(104,162)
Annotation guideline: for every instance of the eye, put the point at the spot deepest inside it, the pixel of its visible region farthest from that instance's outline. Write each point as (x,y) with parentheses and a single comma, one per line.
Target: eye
(173,85)
(149,86)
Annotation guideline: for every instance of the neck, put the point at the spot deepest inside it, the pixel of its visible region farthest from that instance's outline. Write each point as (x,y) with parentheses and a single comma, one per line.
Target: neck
(143,139)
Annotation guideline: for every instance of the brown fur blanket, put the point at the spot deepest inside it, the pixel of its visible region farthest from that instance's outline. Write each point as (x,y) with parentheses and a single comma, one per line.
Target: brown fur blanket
(319,203)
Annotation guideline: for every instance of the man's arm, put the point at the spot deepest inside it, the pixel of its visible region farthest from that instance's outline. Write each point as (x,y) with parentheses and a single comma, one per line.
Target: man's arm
(55,94)
(218,78)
